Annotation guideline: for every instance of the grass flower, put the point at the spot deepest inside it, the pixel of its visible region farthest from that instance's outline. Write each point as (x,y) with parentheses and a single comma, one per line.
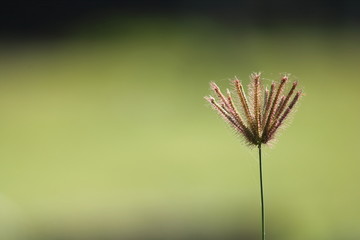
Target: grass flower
(258,116)
(262,112)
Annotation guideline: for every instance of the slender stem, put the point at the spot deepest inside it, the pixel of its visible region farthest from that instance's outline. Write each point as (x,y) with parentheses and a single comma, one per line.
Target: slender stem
(262,197)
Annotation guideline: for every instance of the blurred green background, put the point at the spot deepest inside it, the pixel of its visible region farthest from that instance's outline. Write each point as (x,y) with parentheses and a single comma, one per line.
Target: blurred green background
(105,134)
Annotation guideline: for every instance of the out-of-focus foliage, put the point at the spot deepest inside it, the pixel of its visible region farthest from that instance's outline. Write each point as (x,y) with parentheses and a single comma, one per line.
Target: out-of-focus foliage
(107,136)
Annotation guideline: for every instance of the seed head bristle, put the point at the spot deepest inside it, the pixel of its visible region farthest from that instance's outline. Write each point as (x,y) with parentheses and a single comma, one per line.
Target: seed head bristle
(290,107)
(287,98)
(241,125)
(222,112)
(266,95)
(271,117)
(278,106)
(268,104)
(243,130)
(283,117)
(218,92)
(243,101)
(256,92)
(234,111)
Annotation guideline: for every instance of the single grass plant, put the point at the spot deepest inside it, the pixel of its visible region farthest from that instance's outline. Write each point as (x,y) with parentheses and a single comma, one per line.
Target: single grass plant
(257,116)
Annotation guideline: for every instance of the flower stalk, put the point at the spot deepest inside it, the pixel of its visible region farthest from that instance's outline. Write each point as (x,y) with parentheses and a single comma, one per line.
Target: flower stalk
(262,114)
(262,196)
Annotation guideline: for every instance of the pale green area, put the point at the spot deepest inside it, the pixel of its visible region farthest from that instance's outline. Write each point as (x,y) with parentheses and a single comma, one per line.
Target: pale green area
(103,136)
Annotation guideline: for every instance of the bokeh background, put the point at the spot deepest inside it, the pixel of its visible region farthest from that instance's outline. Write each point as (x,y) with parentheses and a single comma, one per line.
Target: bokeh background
(104,132)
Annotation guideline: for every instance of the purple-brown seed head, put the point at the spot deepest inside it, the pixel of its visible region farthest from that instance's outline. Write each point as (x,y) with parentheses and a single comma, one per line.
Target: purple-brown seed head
(262,112)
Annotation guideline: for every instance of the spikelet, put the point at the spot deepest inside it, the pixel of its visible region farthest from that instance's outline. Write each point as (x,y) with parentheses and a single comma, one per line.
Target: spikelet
(256,102)
(234,111)
(271,118)
(266,95)
(260,118)
(268,104)
(221,111)
(217,91)
(286,100)
(243,100)
(281,119)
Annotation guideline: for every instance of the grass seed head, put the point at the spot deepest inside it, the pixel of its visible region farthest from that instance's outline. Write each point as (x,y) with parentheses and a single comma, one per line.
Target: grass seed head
(262,115)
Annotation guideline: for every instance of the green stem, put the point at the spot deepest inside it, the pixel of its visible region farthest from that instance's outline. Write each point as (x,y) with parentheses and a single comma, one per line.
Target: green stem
(262,197)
